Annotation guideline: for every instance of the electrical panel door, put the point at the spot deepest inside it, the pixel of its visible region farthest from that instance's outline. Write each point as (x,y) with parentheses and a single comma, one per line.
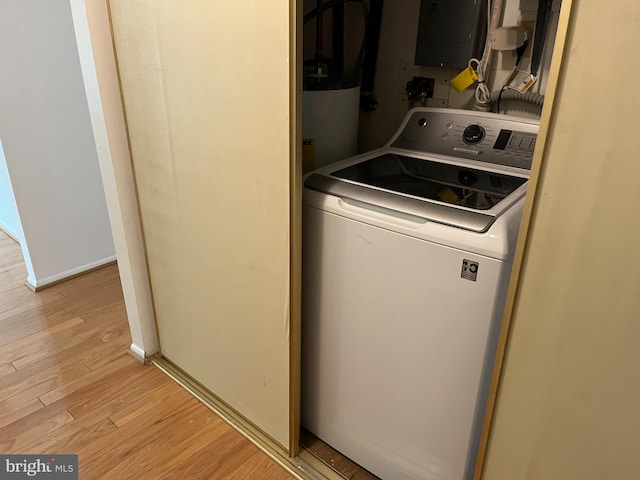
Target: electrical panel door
(450,32)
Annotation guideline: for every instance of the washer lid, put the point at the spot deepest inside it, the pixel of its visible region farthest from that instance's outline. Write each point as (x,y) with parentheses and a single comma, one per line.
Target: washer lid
(445,193)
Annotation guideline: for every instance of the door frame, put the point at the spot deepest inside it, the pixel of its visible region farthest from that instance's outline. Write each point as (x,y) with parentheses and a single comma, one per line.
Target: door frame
(295,296)
(92,25)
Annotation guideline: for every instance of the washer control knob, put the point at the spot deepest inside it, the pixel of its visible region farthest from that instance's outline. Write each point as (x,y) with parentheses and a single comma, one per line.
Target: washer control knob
(473,134)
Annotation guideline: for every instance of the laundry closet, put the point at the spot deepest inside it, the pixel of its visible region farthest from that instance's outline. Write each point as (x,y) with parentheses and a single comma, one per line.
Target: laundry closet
(218,160)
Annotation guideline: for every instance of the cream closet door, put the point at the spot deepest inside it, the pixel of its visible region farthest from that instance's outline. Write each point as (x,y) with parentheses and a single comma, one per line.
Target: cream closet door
(206,87)
(569,400)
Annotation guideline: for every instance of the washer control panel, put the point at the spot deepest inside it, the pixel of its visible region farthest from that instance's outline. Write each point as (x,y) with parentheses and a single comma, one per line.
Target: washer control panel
(482,136)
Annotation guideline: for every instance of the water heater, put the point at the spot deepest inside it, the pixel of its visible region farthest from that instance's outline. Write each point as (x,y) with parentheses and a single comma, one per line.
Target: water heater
(330,108)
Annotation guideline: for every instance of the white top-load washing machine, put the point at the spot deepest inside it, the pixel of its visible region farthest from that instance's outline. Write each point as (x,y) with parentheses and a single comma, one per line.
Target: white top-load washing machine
(407,252)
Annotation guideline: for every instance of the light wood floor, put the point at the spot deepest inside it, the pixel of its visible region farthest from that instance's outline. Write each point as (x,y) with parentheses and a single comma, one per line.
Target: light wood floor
(67,386)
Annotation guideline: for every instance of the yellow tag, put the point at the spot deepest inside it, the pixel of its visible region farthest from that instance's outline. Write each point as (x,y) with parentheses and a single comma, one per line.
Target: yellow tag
(464,79)
(308,154)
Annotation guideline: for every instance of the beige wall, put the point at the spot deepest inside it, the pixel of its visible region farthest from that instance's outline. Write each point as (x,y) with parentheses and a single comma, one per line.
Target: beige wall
(569,404)
(206,89)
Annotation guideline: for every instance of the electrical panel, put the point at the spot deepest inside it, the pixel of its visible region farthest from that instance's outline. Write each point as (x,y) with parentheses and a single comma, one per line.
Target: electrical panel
(450,32)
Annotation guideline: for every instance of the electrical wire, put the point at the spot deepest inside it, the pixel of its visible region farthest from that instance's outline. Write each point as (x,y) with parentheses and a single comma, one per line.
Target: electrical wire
(482,91)
(327,5)
(504,87)
(483,94)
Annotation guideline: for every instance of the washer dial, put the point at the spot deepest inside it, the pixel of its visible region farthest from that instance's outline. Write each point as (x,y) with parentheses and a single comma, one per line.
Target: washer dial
(473,134)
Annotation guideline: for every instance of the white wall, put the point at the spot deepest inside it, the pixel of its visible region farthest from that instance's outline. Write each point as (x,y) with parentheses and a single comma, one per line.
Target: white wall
(48,142)
(9,220)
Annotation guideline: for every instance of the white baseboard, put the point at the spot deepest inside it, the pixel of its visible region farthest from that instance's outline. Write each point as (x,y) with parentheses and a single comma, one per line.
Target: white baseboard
(11,233)
(58,277)
(137,353)
(31,283)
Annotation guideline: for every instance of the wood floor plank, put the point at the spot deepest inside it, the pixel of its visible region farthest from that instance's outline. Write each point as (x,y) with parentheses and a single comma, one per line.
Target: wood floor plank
(41,383)
(34,317)
(145,391)
(18,342)
(91,299)
(6,369)
(131,440)
(182,452)
(12,274)
(17,406)
(242,450)
(107,352)
(79,286)
(217,459)
(163,395)
(114,392)
(10,411)
(73,436)
(75,337)
(71,444)
(166,443)
(27,423)
(25,437)
(116,331)
(102,313)
(258,466)
(68,436)
(197,460)
(84,352)
(94,376)
(29,323)
(18,301)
